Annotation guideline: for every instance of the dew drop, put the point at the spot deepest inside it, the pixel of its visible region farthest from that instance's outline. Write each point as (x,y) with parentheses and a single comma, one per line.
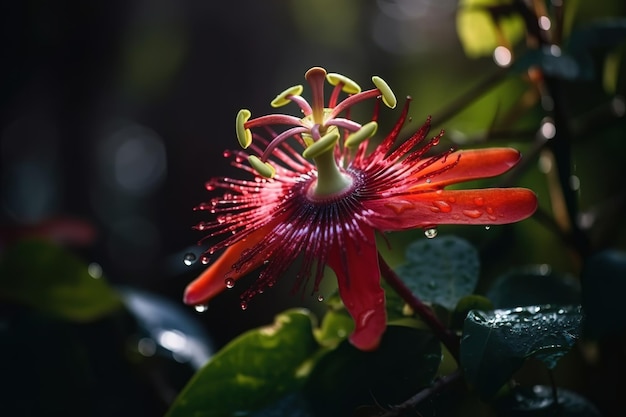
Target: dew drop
(487,227)
(189,259)
(443,206)
(428,180)
(435,141)
(201,308)
(430,232)
(204,260)
(209,185)
(479,201)
(474,214)
(243,305)
(230,283)
(227,154)
(320,298)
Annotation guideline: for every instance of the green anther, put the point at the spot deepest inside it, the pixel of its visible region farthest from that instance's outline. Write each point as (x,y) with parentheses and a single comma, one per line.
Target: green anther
(367,131)
(389,98)
(244,136)
(282,99)
(263,168)
(323,144)
(349,86)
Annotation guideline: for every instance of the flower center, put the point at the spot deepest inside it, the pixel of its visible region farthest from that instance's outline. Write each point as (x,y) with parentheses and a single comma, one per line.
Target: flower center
(325,136)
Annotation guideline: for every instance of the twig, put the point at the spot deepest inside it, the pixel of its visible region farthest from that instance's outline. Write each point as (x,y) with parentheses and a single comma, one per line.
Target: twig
(438,386)
(449,339)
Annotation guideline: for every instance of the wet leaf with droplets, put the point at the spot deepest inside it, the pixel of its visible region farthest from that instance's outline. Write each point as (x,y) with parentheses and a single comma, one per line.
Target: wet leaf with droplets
(495,344)
(441,270)
(255,369)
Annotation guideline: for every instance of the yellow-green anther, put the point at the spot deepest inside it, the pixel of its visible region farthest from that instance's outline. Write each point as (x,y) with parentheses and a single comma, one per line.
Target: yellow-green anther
(389,98)
(349,86)
(323,144)
(244,136)
(263,168)
(367,131)
(283,98)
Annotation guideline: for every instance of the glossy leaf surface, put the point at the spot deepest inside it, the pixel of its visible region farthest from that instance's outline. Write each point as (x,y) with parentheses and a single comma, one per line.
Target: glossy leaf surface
(496,343)
(253,370)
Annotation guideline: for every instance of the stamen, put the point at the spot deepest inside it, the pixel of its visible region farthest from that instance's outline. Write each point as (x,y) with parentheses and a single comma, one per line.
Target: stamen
(349,86)
(284,98)
(367,131)
(263,168)
(348,124)
(281,138)
(244,136)
(324,144)
(389,98)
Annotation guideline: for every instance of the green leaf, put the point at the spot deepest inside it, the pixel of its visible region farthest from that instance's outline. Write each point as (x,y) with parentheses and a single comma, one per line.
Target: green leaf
(602,34)
(346,377)
(534,285)
(604,284)
(51,279)
(256,368)
(556,63)
(441,270)
(538,401)
(482,25)
(335,327)
(495,344)
(292,405)
(465,305)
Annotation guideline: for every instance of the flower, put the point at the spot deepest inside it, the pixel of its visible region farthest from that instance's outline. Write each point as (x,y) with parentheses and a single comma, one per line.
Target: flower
(326,204)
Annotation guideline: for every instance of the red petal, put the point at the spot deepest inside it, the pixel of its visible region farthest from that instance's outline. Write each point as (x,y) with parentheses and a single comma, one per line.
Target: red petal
(358,277)
(211,281)
(472,164)
(486,206)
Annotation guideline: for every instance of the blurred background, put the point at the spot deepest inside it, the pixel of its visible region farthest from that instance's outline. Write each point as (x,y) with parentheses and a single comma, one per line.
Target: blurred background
(114,114)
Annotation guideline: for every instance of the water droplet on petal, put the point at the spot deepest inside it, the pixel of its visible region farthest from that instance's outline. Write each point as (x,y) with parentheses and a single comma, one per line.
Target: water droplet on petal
(227,154)
(430,232)
(243,305)
(479,201)
(230,283)
(204,259)
(443,206)
(428,180)
(474,214)
(320,298)
(201,308)
(189,259)
(487,227)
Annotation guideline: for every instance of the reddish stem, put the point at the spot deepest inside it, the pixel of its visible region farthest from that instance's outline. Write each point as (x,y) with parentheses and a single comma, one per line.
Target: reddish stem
(449,339)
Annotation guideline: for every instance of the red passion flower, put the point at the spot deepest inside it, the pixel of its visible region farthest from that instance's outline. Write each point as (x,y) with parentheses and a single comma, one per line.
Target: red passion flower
(325,204)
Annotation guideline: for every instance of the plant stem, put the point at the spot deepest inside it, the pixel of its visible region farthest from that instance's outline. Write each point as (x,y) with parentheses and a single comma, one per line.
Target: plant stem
(438,386)
(449,339)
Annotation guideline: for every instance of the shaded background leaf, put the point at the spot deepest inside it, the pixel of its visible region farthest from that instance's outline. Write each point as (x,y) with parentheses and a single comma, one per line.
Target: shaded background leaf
(534,285)
(346,377)
(441,270)
(49,278)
